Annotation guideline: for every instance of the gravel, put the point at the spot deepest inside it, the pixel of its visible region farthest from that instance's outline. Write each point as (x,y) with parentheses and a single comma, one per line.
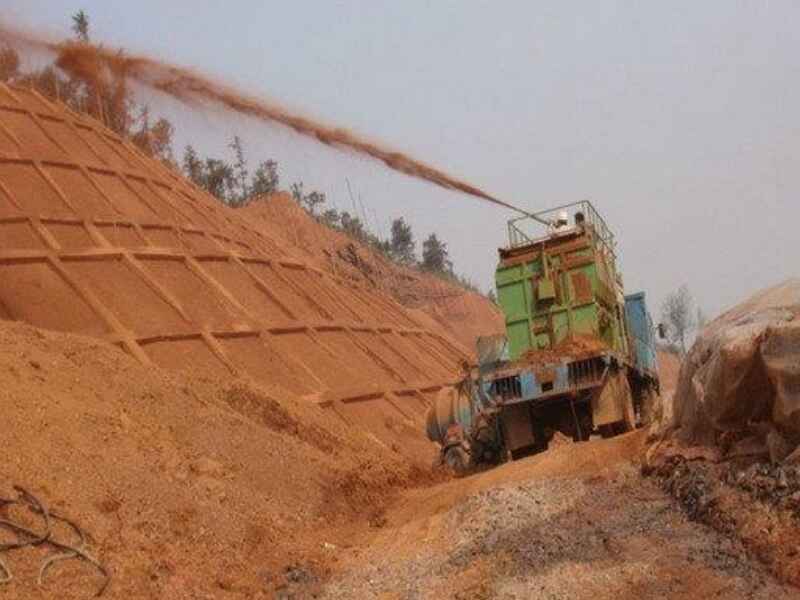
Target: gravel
(612,535)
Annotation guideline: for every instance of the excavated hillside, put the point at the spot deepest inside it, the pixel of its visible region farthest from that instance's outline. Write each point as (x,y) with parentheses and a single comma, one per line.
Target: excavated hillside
(204,403)
(97,239)
(441,305)
(188,484)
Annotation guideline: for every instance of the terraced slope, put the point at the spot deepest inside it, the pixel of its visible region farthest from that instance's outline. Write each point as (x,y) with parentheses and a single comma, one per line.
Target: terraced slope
(97,239)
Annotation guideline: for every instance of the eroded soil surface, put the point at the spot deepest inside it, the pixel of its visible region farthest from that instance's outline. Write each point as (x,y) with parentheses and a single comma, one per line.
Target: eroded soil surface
(579,521)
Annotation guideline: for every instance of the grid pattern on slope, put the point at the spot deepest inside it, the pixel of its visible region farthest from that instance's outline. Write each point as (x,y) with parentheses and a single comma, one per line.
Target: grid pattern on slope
(127,250)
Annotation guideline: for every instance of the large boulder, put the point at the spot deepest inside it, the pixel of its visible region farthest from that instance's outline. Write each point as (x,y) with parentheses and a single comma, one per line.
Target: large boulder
(741,378)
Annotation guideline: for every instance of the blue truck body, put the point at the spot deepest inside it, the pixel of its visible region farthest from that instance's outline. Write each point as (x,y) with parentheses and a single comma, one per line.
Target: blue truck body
(641,333)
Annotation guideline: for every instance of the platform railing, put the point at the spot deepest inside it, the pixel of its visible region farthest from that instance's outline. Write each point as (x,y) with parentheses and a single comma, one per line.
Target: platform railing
(527,230)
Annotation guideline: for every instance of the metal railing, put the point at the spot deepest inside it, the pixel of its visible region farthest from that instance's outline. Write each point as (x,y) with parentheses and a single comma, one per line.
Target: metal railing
(527,230)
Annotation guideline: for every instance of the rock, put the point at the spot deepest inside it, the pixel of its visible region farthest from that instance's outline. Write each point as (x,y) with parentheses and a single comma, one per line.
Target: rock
(741,369)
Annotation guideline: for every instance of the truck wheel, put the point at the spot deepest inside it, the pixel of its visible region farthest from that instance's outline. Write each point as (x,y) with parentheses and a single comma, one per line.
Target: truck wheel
(457,459)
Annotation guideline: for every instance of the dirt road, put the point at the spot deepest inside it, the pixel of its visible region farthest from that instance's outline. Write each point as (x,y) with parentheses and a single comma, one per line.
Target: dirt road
(576,522)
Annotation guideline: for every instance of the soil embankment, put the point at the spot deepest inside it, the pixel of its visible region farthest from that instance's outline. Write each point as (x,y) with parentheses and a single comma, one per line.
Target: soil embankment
(443,306)
(189,484)
(97,239)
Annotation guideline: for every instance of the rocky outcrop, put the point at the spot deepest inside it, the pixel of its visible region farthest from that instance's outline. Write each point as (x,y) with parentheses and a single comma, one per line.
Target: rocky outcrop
(739,386)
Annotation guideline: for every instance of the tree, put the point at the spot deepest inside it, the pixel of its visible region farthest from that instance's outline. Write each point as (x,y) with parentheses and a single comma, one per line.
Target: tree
(161,141)
(265,179)
(353,226)
(240,173)
(80,26)
(218,179)
(402,242)
(313,200)
(331,218)
(678,314)
(308,201)
(154,140)
(9,64)
(193,166)
(297,192)
(435,257)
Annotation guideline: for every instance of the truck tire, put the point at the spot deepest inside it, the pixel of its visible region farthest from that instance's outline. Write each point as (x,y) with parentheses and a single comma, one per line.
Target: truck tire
(457,459)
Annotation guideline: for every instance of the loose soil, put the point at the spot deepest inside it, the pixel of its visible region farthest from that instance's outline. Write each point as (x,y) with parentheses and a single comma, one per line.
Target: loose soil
(190,485)
(199,486)
(579,521)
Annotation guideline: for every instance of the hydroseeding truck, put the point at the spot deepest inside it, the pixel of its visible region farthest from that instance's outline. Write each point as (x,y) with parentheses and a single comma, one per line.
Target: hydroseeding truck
(578,356)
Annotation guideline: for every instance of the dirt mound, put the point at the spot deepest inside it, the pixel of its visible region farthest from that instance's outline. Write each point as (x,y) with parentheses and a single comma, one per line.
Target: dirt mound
(188,483)
(97,239)
(433,302)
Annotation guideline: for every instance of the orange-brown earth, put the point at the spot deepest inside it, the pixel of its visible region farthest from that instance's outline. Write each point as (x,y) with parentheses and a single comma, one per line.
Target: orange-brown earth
(97,239)
(438,304)
(231,405)
(190,484)
(578,521)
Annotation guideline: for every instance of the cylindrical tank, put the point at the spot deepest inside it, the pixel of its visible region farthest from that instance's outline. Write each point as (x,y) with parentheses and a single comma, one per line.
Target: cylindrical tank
(450,407)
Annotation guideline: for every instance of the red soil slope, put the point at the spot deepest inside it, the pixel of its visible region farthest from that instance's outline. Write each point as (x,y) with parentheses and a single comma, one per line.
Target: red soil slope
(438,304)
(97,239)
(191,485)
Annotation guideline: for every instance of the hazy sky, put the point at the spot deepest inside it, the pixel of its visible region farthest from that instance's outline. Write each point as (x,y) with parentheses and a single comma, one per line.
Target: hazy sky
(679,120)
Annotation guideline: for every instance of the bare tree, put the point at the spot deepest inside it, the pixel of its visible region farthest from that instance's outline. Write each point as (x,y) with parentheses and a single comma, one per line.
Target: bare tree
(678,314)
